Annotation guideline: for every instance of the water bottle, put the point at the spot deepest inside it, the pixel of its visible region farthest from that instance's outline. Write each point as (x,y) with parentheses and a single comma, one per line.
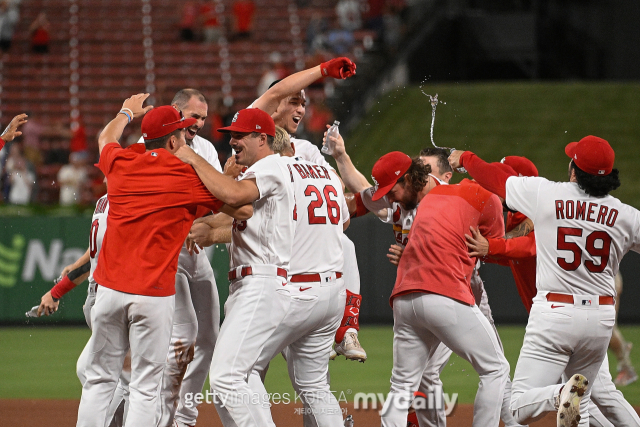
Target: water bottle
(327,148)
(33,312)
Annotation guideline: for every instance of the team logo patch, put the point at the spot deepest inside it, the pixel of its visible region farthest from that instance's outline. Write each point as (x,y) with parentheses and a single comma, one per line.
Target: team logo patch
(586,302)
(374,181)
(397,173)
(258,127)
(154,154)
(235,117)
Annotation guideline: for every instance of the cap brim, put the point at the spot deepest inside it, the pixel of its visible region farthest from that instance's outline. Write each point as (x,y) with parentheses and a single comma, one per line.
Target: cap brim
(235,128)
(570,149)
(187,123)
(382,191)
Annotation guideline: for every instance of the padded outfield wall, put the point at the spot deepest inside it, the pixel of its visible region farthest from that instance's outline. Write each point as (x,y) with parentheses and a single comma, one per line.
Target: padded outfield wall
(34,249)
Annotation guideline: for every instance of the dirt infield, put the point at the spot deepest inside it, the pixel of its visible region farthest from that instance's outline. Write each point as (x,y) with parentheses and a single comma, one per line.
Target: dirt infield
(63,413)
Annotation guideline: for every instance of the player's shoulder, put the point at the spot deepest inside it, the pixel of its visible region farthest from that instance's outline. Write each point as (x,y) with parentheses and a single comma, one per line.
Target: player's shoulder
(203,143)
(102,205)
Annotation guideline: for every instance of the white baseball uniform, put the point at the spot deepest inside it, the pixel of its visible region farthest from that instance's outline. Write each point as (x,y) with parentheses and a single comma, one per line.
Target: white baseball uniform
(580,241)
(196,323)
(308,151)
(401,219)
(317,292)
(260,255)
(98,227)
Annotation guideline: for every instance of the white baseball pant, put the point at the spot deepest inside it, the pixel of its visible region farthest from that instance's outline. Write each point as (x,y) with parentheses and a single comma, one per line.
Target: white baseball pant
(431,377)
(569,338)
(351,274)
(122,389)
(256,305)
(121,321)
(421,322)
(195,329)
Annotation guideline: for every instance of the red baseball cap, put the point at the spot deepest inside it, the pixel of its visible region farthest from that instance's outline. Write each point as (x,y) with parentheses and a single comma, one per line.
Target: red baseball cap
(521,165)
(387,171)
(251,120)
(592,154)
(161,121)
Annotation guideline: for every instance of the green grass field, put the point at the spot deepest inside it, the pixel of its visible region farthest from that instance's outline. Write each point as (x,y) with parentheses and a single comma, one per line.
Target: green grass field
(39,363)
(495,120)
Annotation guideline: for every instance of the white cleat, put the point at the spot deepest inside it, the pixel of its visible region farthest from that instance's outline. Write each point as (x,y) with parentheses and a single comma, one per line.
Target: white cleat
(350,348)
(333,354)
(569,402)
(348,422)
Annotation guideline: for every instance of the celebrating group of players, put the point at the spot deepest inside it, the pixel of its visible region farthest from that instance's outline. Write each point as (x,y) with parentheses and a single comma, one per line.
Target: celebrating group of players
(294,285)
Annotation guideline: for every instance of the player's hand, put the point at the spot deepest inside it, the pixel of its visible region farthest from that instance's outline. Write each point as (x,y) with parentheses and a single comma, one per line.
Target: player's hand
(339,149)
(66,271)
(338,68)
(231,168)
(478,245)
(201,234)
(47,305)
(395,253)
(186,154)
(12,130)
(454,159)
(135,105)
(191,246)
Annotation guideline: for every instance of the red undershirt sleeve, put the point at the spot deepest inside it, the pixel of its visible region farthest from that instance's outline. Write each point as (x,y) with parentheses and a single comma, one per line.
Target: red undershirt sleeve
(361,209)
(1,143)
(492,176)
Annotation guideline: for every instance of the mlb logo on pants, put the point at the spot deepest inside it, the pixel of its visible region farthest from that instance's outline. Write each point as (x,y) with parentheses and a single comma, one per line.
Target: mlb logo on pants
(586,302)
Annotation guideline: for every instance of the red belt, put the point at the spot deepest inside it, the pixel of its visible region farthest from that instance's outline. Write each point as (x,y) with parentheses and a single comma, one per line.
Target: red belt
(248,271)
(303,278)
(568,299)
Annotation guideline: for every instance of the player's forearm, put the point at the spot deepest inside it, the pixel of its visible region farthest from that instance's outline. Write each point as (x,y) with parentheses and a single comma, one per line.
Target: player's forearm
(516,248)
(353,179)
(270,100)
(217,220)
(241,213)
(85,258)
(228,190)
(489,175)
(112,132)
(71,280)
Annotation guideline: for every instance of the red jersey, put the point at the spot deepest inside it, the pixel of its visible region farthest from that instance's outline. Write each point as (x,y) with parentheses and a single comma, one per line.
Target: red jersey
(520,255)
(436,258)
(153,199)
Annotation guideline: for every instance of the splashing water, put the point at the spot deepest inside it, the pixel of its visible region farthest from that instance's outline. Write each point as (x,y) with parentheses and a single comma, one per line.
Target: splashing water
(434,104)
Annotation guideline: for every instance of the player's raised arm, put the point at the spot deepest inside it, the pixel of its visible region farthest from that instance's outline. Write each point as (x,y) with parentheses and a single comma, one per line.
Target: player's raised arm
(339,68)
(353,179)
(11,131)
(131,109)
(492,176)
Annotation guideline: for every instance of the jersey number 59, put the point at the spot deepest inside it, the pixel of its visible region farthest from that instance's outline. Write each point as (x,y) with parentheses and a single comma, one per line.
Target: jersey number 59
(602,250)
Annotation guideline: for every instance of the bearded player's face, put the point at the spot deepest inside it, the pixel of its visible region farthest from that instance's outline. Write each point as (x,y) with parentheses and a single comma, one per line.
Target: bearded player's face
(404,194)
(290,112)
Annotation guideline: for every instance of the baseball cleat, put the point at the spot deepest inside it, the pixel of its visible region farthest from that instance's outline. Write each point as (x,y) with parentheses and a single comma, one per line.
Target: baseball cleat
(350,348)
(569,404)
(626,375)
(333,354)
(348,422)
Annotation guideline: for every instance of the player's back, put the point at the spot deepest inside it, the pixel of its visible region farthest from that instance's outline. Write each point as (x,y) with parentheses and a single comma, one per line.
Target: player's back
(436,257)
(320,213)
(580,239)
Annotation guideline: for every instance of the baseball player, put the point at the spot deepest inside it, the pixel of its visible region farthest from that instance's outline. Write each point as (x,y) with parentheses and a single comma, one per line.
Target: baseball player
(260,255)
(608,406)
(285,101)
(316,287)
(581,235)
(153,198)
(402,218)
(196,320)
(432,300)
(11,131)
